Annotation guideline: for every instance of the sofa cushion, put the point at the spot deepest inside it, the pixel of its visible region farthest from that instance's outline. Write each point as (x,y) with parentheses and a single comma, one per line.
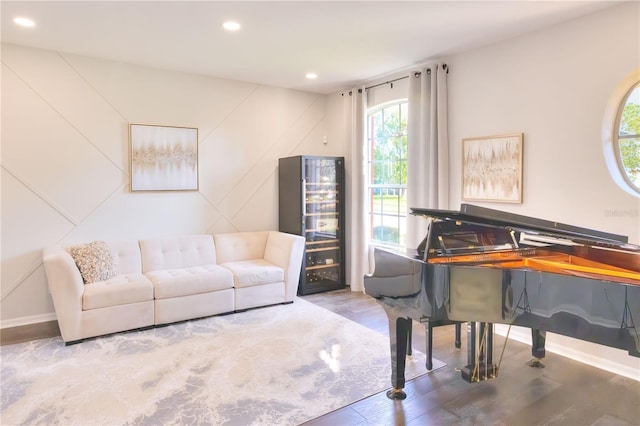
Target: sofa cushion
(119,290)
(237,246)
(185,281)
(248,273)
(94,260)
(126,254)
(177,252)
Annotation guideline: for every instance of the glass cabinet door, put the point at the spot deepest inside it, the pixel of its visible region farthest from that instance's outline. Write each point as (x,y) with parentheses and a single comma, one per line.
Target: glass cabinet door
(322,222)
(311,204)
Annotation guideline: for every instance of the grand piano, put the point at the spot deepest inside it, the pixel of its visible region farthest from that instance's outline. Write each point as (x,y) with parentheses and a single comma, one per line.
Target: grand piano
(480,267)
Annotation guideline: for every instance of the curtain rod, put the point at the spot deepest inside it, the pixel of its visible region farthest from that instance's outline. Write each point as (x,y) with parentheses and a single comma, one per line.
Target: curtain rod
(390,82)
(417,73)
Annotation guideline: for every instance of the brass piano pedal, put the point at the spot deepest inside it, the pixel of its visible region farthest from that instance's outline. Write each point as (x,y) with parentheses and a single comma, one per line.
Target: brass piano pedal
(535,363)
(479,372)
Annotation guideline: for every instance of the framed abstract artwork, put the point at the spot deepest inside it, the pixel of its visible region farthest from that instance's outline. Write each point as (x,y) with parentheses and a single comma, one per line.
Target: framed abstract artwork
(492,168)
(163,158)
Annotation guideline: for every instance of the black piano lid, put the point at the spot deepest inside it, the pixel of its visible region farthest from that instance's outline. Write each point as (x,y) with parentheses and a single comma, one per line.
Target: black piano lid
(484,216)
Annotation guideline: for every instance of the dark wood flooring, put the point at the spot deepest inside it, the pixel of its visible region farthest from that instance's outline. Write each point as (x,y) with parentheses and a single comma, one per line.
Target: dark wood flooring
(565,392)
(25,333)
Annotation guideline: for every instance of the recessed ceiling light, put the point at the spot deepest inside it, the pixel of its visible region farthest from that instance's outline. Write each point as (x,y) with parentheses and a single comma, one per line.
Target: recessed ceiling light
(231,26)
(311,75)
(24,22)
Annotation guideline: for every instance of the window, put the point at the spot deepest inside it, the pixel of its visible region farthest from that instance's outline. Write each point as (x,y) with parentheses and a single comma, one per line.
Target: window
(621,135)
(629,137)
(387,173)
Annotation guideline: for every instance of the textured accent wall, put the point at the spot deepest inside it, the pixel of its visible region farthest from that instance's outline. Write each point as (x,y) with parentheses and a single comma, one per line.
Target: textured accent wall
(65,158)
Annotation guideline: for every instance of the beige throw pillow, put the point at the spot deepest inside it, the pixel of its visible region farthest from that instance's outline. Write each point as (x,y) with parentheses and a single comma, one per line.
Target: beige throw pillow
(94,260)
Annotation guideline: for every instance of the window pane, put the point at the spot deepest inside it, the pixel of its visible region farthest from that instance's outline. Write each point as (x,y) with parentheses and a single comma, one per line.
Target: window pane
(404,110)
(630,156)
(375,198)
(387,180)
(630,119)
(629,137)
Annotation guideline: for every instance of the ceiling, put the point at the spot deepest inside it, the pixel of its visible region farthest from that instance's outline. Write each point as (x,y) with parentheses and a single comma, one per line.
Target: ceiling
(344,42)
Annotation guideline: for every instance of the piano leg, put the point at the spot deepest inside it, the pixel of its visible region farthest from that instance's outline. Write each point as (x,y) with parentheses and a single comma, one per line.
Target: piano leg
(410,338)
(399,331)
(429,331)
(430,325)
(538,338)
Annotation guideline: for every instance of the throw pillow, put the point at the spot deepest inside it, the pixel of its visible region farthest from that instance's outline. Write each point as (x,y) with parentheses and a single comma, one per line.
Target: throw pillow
(94,260)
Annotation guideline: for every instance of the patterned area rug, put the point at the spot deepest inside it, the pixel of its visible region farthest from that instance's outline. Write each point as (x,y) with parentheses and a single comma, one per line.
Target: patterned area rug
(278,365)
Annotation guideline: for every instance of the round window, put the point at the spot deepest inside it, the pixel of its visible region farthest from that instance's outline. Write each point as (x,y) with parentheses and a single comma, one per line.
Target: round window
(621,135)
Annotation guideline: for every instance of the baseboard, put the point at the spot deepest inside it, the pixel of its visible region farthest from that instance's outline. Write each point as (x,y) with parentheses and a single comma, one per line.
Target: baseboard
(562,345)
(30,320)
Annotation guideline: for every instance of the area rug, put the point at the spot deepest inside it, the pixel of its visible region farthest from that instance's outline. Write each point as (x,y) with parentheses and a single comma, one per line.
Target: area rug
(281,365)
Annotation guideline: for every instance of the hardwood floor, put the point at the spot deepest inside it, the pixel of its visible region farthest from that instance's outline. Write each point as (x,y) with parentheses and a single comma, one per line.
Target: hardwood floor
(25,333)
(565,392)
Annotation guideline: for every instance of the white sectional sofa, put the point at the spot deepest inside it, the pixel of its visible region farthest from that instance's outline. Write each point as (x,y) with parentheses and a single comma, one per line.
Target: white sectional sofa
(106,287)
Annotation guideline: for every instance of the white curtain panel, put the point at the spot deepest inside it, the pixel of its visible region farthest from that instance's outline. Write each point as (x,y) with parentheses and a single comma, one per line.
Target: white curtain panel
(359,264)
(428,147)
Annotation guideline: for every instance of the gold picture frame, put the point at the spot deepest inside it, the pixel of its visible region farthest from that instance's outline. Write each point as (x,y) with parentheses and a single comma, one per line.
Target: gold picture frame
(163,158)
(492,168)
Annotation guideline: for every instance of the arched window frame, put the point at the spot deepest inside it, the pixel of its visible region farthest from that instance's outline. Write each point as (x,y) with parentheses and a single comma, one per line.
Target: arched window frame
(610,133)
(400,217)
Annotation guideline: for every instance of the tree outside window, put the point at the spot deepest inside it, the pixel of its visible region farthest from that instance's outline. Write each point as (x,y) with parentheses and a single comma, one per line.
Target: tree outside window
(387,173)
(629,137)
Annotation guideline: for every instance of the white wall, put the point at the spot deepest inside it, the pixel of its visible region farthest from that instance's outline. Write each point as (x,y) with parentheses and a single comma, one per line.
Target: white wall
(65,166)
(553,86)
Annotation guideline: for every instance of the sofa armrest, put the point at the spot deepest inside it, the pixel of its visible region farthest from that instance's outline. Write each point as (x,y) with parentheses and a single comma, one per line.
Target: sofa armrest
(66,287)
(286,251)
